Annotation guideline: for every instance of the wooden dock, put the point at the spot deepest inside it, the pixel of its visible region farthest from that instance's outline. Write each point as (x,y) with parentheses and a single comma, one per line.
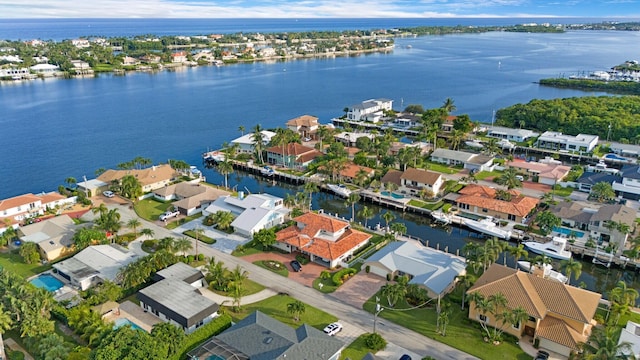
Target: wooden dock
(603,258)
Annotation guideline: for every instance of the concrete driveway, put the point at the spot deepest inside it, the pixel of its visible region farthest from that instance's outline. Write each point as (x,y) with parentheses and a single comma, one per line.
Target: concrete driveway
(309,273)
(357,290)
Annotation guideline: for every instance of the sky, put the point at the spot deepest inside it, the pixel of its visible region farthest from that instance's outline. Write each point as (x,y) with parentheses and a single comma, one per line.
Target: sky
(619,9)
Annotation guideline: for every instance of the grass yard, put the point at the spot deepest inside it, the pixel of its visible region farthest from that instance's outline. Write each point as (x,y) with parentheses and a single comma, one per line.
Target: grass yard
(276,307)
(562,191)
(203,238)
(175,223)
(442,168)
(482,175)
(150,209)
(327,285)
(461,333)
(12,261)
(250,287)
(356,350)
(274,266)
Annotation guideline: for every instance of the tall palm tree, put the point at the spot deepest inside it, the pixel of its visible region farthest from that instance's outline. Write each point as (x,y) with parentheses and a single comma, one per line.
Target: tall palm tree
(388,217)
(182,245)
(449,106)
(134,223)
(465,280)
(238,276)
(509,179)
(223,219)
(603,345)
(225,167)
(242,129)
(393,293)
(258,142)
(351,201)
(366,213)
(147,232)
(518,252)
(570,267)
(399,228)
(310,187)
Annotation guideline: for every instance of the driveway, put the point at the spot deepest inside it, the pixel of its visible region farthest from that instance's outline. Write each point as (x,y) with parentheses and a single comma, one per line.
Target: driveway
(309,273)
(357,290)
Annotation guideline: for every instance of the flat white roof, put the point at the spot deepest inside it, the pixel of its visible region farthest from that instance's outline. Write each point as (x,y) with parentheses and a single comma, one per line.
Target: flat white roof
(247,139)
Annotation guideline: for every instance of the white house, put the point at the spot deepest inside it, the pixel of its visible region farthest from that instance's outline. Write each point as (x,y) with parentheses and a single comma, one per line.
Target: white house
(253,212)
(629,185)
(25,206)
(518,135)
(415,180)
(175,298)
(80,43)
(582,143)
(45,69)
(470,161)
(628,150)
(246,142)
(370,110)
(631,335)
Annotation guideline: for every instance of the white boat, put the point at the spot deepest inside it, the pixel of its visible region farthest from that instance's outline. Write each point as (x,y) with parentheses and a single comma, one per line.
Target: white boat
(506,144)
(547,273)
(339,189)
(441,217)
(216,156)
(474,144)
(195,171)
(267,171)
(553,249)
(487,226)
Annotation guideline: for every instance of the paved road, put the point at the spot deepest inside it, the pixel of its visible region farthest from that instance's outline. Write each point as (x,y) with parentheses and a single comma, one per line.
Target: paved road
(356,321)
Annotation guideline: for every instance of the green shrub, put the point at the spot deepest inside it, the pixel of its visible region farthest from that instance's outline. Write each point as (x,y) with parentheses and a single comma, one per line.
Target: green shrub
(303,260)
(200,257)
(189,259)
(375,342)
(339,277)
(389,277)
(15,355)
(367,268)
(149,244)
(446,208)
(215,327)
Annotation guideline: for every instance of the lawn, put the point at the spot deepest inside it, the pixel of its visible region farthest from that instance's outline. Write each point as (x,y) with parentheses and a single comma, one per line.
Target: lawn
(12,261)
(203,238)
(276,307)
(421,204)
(562,191)
(462,333)
(482,175)
(356,350)
(250,287)
(174,224)
(150,209)
(274,266)
(441,168)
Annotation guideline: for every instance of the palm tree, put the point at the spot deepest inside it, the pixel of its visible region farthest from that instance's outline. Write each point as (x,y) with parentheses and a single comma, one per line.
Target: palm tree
(223,219)
(388,217)
(199,232)
(366,213)
(242,129)
(147,232)
(100,209)
(603,344)
(216,271)
(296,308)
(449,105)
(623,296)
(258,142)
(518,252)
(465,280)
(6,321)
(399,228)
(393,292)
(182,245)
(134,223)
(225,168)
(238,276)
(310,187)
(541,260)
(570,267)
(509,179)
(351,201)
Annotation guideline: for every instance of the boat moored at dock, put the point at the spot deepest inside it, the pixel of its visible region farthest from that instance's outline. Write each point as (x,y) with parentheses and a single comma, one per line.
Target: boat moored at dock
(339,189)
(554,249)
(488,227)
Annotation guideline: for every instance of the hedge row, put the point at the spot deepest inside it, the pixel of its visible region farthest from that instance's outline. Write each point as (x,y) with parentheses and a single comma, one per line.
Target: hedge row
(339,277)
(215,327)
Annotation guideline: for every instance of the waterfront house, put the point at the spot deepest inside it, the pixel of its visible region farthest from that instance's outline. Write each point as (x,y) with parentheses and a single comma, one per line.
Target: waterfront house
(517,135)
(431,269)
(553,140)
(447,124)
(414,181)
(350,138)
(626,150)
(150,59)
(292,155)
(591,220)
(471,161)
(130,61)
(326,240)
(560,315)
(45,69)
(19,208)
(628,185)
(178,57)
(80,43)
(246,143)
(371,110)
(586,181)
(261,337)
(175,298)
(306,126)
(392,176)
(252,213)
(351,172)
(406,120)
(631,334)
(189,198)
(481,200)
(54,236)
(14,73)
(151,178)
(95,264)
(543,173)
(81,67)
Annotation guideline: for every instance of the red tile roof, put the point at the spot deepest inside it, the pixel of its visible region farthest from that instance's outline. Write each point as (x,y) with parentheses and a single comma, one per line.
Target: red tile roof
(19,200)
(351,170)
(484,197)
(291,149)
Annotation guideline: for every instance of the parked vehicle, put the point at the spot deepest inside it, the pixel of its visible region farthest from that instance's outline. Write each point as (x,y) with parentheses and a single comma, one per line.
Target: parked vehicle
(333,328)
(295,265)
(108,194)
(542,355)
(405,357)
(169,214)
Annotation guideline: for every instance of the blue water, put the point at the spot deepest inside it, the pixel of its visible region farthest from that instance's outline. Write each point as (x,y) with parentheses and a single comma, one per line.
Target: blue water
(61,29)
(47,282)
(124,322)
(568,232)
(615,157)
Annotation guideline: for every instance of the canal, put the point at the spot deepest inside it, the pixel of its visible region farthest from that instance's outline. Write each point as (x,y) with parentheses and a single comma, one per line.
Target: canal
(595,277)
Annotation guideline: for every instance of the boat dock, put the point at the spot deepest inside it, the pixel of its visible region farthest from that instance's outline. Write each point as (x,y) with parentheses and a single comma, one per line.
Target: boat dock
(603,258)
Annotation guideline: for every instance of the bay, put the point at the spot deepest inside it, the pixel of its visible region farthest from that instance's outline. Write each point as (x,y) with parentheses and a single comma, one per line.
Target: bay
(55,128)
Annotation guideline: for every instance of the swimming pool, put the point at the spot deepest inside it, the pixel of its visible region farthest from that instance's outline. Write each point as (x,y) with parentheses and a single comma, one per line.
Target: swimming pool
(124,322)
(47,282)
(615,157)
(392,194)
(568,232)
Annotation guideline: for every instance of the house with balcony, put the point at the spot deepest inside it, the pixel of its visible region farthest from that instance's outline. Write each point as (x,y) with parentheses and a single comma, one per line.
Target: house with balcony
(17,209)
(482,200)
(306,126)
(631,334)
(371,110)
(553,140)
(517,135)
(292,155)
(326,240)
(246,143)
(414,181)
(560,315)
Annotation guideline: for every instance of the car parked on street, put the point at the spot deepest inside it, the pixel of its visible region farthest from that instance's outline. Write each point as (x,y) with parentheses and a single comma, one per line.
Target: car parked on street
(333,328)
(295,265)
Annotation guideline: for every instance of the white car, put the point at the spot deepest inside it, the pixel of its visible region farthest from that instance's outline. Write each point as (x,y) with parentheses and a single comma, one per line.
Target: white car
(168,215)
(333,328)
(108,194)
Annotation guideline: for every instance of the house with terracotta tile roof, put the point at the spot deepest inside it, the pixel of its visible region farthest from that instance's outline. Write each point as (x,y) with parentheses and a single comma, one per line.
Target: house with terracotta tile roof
(560,315)
(151,178)
(292,155)
(305,125)
(351,172)
(189,198)
(413,181)
(481,200)
(544,173)
(326,240)
(18,208)
(178,57)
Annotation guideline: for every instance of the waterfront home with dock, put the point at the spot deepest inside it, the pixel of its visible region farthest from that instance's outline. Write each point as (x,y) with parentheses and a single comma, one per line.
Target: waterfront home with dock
(483,201)
(517,135)
(543,173)
(246,143)
(17,209)
(151,178)
(414,181)
(306,126)
(470,161)
(371,110)
(189,198)
(292,155)
(553,140)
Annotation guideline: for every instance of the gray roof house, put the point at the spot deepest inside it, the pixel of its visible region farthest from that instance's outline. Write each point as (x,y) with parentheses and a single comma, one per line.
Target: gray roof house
(518,135)
(588,179)
(189,198)
(629,186)
(94,264)
(53,236)
(175,298)
(261,337)
(470,161)
(434,270)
